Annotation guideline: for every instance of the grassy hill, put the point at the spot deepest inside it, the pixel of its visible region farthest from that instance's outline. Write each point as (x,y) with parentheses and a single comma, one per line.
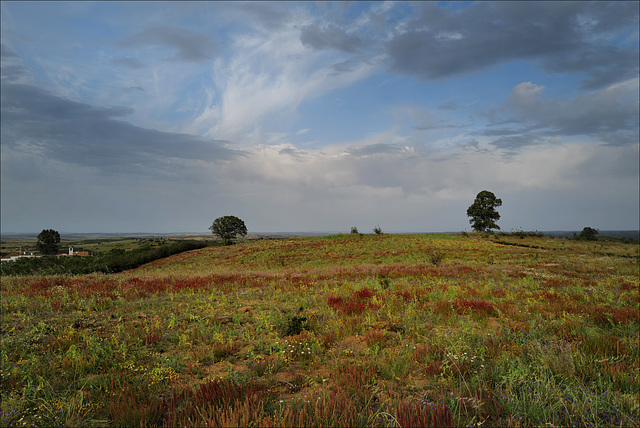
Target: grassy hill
(344,330)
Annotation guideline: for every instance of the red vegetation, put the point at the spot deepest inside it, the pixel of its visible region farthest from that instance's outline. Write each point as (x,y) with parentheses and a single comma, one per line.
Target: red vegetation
(424,415)
(365,293)
(354,377)
(406,296)
(376,338)
(335,302)
(605,315)
(517,275)
(628,286)
(356,304)
(481,306)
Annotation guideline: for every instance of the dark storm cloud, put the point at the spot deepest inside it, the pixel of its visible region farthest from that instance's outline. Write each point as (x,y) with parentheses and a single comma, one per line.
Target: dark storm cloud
(560,36)
(331,37)
(38,123)
(188,45)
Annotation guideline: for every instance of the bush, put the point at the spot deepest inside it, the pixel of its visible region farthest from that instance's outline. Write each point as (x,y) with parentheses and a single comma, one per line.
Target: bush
(435,255)
(523,234)
(295,325)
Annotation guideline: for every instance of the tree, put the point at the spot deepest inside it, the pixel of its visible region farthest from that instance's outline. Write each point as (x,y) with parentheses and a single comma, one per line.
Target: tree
(48,241)
(228,228)
(482,212)
(588,234)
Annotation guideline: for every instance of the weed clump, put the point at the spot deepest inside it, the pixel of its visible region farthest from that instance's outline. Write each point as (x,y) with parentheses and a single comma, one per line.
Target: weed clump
(435,255)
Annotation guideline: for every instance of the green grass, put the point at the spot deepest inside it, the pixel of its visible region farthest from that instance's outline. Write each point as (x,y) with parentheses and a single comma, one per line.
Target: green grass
(346,330)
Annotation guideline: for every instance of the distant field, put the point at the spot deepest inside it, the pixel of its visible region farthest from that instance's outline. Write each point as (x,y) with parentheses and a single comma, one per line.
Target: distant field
(342,330)
(98,243)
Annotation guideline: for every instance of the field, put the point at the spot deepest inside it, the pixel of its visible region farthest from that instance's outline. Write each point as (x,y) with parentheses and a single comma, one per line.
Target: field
(94,244)
(343,330)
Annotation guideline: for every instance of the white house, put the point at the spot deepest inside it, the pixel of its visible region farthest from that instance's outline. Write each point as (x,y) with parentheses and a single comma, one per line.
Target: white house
(15,256)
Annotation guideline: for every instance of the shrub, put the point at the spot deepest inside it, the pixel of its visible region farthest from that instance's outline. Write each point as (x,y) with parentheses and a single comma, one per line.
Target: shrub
(295,325)
(384,281)
(435,255)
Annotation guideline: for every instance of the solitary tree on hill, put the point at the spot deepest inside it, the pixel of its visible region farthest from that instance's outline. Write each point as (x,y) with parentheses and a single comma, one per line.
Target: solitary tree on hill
(588,234)
(48,241)
(228,228)
(482,212)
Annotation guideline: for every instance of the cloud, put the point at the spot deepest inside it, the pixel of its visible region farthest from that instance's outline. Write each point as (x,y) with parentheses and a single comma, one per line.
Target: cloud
(575,37)
(37,123)
(384,177)
(449,106)
(5,52)
(605,64)
(268,16)
(128,62)
(374,149)
(266,80)
(440,125)
(330,37)
(13,70)
(188,45)
(609,115)
(206,109)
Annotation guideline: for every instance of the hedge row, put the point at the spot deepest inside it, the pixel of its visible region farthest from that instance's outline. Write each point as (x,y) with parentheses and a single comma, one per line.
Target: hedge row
(111,262)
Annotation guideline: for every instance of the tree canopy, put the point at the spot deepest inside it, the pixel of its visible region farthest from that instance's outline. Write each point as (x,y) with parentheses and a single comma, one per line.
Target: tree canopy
(228,228)
(482,212)
(48,241)
(588,234)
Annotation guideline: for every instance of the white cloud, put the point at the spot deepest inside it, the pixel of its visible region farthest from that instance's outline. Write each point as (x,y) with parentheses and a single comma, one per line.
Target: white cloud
(267,79)
(525,96)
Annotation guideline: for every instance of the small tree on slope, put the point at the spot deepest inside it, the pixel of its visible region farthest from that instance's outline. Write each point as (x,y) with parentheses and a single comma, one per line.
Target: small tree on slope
(228,228)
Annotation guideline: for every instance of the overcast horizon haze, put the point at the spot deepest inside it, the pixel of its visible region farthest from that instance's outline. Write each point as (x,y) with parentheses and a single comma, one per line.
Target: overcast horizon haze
(158,117)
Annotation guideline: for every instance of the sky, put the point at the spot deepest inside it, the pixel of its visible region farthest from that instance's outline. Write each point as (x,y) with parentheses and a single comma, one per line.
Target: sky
(159,117)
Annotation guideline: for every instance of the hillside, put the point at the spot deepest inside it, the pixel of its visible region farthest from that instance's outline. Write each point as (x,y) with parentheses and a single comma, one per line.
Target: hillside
(343,330)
